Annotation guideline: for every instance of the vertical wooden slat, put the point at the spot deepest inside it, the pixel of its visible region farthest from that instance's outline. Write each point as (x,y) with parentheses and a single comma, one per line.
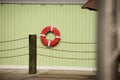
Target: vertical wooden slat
(32,54)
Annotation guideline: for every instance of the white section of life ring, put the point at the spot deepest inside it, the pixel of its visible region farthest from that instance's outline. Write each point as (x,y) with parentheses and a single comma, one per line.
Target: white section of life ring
(51,28)
(57,36)
(49,43)
(42,35)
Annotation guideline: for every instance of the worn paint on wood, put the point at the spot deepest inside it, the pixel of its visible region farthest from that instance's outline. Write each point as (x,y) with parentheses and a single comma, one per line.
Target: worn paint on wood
(32,54)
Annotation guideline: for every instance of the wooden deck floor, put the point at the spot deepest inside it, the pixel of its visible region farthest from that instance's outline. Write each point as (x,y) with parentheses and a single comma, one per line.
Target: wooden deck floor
(22,74)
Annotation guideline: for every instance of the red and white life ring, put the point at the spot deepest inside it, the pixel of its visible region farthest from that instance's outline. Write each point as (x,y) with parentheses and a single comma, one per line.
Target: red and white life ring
(45,31)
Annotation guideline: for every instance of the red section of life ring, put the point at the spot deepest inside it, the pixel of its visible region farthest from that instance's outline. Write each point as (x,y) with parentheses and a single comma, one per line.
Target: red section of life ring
(45,31)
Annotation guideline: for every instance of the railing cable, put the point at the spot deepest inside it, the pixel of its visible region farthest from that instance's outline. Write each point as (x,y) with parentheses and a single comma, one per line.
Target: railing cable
(14,40)
(67,42)
(66,57)
(14,49)
(14,56)
(68,50)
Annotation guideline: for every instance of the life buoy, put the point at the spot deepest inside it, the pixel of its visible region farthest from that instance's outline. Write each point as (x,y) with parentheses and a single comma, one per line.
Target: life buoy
(45,31)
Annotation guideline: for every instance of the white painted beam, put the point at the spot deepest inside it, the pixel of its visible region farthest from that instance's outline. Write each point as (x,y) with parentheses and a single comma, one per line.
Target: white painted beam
(89,69)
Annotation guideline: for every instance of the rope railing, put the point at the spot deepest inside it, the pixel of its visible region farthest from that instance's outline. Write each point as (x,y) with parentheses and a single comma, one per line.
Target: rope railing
(14,40)
(77,42)
(33,52)
(14,49)
(67,50)
(49,57)
(66,57)
(49,49)
(67,42)
(13,56)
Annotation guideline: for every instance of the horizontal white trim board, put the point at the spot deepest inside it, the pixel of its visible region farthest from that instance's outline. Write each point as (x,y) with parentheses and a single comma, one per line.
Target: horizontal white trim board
(49,68)
(45,1)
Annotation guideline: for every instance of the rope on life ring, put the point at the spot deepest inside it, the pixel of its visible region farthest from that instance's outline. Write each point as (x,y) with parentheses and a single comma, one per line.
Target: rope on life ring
(45,31)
